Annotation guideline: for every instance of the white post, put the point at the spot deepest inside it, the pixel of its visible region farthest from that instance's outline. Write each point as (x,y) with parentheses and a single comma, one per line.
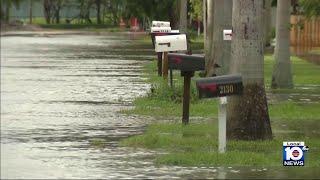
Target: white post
(222,124)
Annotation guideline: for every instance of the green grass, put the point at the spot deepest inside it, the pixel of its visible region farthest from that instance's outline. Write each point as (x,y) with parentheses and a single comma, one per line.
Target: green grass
(166,101)
(304,73)
(315,51)
(196,144)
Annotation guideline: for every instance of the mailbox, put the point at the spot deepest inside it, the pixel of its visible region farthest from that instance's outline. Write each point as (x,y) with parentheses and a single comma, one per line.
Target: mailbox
(160,24)
(219,86)
(160,29)
(171,43)
(186,62)
(154,34)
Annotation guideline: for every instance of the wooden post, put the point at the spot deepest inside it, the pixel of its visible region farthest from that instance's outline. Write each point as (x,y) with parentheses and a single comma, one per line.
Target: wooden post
(159,63)
(171,78)
(186,95)
(165,65)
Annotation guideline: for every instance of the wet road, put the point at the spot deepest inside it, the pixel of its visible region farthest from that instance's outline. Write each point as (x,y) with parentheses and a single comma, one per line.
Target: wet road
(60,97)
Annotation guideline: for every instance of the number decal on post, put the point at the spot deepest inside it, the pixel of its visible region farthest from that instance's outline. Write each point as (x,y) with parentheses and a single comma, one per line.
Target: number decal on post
(226,89)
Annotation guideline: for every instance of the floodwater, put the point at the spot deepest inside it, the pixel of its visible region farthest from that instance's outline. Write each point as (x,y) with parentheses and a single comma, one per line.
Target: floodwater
(60,97)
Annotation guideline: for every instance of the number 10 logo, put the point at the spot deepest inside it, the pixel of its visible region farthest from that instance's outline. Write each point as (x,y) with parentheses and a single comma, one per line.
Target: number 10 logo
(293,153)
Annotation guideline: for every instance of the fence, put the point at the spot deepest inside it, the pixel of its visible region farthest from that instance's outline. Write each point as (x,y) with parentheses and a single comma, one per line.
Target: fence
(305,33)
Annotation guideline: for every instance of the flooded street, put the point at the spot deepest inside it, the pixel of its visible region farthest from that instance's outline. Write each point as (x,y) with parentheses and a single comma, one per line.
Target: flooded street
(60,102)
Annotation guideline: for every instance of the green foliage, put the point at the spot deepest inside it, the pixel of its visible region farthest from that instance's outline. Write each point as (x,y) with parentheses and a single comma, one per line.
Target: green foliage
(310,7)
(196,9)
(152,9)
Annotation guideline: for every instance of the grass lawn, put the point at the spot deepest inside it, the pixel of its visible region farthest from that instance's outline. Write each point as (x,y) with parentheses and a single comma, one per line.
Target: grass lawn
(197,143)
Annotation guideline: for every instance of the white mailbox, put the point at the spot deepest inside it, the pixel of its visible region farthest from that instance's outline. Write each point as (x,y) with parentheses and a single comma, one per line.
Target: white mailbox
(227,34)
(160,29)
(171,43)
(160,24)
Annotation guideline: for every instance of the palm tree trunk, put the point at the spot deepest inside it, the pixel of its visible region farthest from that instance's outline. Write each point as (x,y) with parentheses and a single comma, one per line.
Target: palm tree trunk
(204,16)
(183,16)
(267,20)
(221,49)
(247,115)
(282,75)
(209,36)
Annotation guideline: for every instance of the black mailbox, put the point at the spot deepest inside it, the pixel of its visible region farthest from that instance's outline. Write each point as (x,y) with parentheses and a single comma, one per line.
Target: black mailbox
(219,86)
(154,34)
(186,62)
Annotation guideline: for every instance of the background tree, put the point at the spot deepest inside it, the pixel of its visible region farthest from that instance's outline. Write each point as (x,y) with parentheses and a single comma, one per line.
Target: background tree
(220,49)
(209,35)
(48,10)
(183,18)
(267,22)
(6,6)
(98,6)
(196,13)
(310,7)
(204,11)
(248,117)
(282,75)
(30,11)
(151,10)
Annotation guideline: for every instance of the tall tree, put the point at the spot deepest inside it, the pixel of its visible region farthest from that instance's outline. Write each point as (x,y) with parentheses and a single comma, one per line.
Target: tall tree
(47,10)
(221,49)
(30,11)
(282,75)
(248,117)
(204,19)
(98,6)
(267,22)
(196,13)
(209,35)
(183,21)
(5,13)
(310,7)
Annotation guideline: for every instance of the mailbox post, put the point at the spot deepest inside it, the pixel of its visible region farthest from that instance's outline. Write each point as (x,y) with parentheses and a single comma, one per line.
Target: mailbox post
(187,64)
(220,86)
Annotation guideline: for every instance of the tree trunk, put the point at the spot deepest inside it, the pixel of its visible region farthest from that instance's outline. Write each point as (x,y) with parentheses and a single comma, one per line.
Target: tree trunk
(282,75)
(98,4)
(221,49)
(267,22)
(247,115)
(57,16)
(183,16)
(30,11)
(209,39)
(47,10)
(198,24)
(204,16)
(7,12)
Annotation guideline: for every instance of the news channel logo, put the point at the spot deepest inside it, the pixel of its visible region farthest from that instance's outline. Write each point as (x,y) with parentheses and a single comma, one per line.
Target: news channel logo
(294,153)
